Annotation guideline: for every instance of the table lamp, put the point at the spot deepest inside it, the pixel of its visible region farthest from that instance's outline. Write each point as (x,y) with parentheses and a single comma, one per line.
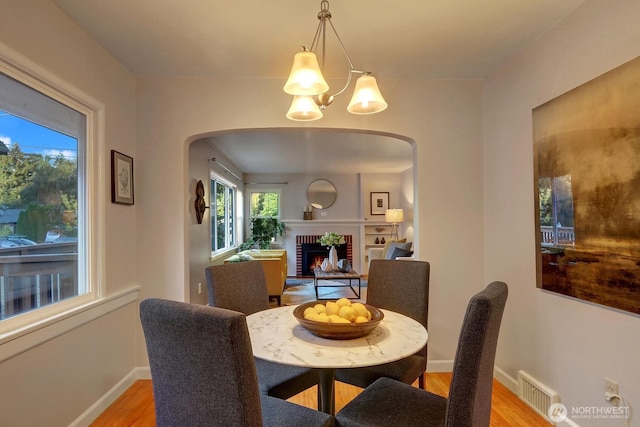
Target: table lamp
(394,216)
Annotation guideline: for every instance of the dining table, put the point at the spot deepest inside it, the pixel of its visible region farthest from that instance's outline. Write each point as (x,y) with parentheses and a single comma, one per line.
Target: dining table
(277,336)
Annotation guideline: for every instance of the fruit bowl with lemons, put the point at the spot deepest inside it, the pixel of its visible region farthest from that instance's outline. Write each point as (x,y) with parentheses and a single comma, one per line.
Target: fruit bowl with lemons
(338,320)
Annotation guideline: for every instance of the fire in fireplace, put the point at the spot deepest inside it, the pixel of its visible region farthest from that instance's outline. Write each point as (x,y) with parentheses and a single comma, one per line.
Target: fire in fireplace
(314,253)
(310,254)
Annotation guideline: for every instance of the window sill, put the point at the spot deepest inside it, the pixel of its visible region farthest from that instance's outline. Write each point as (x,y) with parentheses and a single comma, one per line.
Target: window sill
(223,255)
(27,337)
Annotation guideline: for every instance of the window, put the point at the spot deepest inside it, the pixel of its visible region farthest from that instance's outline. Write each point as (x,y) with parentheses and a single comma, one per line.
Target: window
(556,211)
(264,216)
(223,214)
(42,202)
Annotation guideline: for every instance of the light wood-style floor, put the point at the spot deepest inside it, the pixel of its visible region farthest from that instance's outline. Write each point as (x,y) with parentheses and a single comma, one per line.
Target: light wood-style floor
(135,406)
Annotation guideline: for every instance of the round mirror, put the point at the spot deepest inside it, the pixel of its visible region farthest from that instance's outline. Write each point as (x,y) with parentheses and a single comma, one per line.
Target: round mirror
(321,194)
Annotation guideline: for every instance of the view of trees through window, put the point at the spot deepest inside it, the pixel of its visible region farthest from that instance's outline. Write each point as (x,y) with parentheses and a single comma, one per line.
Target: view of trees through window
(44,190)
(556,210)
(265,204)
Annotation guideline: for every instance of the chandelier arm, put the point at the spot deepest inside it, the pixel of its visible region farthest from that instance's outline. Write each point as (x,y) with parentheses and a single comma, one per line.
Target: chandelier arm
(321,31)
(352,70)
(346,85)
(344,50)
(314,43)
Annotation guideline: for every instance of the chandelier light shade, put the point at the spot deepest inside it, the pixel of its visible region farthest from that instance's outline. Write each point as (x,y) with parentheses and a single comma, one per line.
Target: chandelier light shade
(303,108)
(366,98)
(306,78)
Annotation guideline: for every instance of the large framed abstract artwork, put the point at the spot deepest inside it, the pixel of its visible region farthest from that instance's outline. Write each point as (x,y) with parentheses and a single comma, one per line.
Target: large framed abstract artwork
(587,190)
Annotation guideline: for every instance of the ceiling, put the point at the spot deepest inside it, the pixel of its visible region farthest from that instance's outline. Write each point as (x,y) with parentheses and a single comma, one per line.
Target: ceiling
(256,38)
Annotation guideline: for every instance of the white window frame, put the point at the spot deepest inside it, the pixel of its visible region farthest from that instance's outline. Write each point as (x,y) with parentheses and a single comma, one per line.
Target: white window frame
(214,176)
(31,328)
(277,239)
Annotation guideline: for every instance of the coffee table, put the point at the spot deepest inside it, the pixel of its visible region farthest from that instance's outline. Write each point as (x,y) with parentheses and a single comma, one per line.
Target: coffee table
(319,275)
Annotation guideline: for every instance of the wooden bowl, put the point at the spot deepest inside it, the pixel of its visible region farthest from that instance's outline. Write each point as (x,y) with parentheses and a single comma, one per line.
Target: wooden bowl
(338,331)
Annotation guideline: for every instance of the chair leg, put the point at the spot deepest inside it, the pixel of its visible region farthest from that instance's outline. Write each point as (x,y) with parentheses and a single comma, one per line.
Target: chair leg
(422,381)
(277,298)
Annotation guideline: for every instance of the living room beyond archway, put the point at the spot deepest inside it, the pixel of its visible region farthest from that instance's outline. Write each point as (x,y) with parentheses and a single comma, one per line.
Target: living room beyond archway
(288,159)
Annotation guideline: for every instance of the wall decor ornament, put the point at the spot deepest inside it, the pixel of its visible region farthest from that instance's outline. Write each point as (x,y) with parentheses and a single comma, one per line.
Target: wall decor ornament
(379,203)
(200,204)
(121,178)
(587,190)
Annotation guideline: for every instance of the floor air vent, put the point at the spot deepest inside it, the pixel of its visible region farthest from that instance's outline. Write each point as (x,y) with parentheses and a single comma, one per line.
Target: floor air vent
(536,394)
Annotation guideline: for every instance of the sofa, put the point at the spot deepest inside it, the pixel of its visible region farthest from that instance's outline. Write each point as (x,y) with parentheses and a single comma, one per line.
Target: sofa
(400,248)
(274,263)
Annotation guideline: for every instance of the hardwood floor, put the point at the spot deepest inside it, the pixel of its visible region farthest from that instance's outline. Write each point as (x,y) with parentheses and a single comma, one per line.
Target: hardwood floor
(135,406)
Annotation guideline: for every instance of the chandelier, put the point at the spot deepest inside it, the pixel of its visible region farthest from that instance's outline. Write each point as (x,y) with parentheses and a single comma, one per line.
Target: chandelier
(310,90)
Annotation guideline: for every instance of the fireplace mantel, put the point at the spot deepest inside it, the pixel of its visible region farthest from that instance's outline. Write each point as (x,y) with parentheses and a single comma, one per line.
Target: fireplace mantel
(312,222)
(353,227)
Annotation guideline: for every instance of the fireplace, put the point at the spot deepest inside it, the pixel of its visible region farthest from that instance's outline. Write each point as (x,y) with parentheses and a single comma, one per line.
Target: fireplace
(310,254)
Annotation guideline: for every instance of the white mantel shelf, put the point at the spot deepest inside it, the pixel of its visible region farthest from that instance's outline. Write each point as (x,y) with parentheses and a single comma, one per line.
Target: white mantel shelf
(311,222)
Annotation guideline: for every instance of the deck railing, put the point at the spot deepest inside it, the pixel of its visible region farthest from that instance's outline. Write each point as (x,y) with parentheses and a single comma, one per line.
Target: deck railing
(561,236)
(35,276)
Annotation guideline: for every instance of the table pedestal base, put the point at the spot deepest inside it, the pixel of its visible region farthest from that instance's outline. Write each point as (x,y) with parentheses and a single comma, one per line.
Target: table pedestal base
(326,390)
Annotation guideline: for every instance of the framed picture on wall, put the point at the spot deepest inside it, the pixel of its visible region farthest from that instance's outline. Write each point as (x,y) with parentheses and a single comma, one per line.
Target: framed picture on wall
(121,178)
(379,203)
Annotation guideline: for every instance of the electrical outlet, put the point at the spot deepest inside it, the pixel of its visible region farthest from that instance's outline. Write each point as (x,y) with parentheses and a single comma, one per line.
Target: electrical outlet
(610,389)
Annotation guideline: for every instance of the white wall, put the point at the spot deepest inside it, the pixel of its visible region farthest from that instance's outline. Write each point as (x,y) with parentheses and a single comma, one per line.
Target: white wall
(443,117)
(567,344)
(67,374)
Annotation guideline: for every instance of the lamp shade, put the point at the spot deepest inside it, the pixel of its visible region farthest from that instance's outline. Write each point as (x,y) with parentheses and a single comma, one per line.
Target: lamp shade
(394,215)
(305,77)
(367,98)
(304,108)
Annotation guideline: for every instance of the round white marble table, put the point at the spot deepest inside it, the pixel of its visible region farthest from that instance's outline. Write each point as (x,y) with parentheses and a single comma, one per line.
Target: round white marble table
(277,336)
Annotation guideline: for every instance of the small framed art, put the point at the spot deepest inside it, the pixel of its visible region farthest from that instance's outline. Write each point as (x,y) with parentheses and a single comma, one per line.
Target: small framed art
(379,203)
(121,178)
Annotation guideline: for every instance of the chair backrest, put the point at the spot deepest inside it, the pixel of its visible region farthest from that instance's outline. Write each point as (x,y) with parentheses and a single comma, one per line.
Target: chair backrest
(400,286)
(239,286)
(202,365)
(469,401)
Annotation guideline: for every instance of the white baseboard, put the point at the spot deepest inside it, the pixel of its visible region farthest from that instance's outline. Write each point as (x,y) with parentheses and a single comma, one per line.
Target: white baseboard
(105,401)
(500,375)
(506,380)
(439,365)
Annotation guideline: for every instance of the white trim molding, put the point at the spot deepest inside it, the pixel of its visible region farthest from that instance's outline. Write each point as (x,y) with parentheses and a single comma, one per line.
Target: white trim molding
(37,333)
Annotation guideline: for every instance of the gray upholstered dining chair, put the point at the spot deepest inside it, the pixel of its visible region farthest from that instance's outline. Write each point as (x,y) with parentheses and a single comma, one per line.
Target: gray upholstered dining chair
(388,402)
(203,371)
(242,287)
(403,287)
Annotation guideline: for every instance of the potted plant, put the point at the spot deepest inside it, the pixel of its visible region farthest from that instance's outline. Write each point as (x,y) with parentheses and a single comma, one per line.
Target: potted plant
(263,231)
